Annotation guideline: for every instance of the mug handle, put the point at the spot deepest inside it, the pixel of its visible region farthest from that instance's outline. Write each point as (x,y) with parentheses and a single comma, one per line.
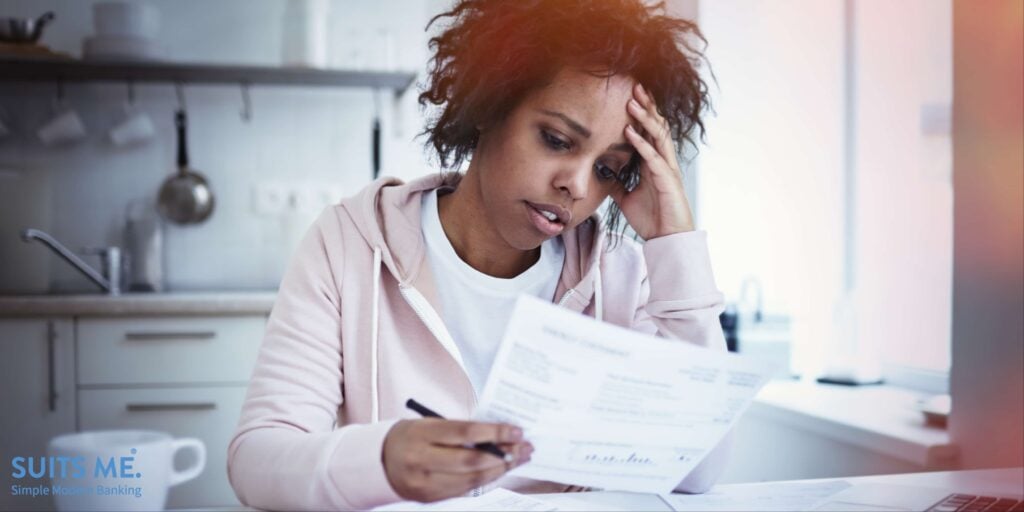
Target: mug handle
(178,477)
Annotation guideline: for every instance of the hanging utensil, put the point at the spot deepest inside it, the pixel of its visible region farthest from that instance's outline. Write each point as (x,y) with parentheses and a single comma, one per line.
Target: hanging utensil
(186,197)
(375,135)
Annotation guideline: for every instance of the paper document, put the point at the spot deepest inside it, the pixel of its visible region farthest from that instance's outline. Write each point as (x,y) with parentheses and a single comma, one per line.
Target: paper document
(609,407)
(769,497)
(497,499)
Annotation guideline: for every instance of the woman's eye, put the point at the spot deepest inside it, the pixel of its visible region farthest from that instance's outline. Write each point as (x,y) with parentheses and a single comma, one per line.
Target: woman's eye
(603,171)
(554,142)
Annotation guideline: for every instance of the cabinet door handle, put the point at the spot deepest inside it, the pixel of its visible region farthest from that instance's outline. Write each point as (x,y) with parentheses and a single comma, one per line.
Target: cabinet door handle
(168,335)
(51,377)
(178,406)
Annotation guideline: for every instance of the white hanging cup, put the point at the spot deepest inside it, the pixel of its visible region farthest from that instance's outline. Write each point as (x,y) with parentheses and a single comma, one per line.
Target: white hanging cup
(64,127)
(135,127)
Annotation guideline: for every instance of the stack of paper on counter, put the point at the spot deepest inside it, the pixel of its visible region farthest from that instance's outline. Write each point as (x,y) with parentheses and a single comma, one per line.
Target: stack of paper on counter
(766,497)
(609,407)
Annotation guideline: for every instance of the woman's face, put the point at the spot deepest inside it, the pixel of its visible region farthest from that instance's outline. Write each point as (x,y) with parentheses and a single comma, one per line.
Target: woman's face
(547,157)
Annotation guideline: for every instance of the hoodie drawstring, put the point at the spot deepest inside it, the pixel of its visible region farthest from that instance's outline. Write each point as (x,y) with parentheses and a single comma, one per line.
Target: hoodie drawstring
(598,306)
(374,344)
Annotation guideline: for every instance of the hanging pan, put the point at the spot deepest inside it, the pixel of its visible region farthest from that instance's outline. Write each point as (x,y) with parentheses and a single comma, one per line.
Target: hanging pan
(185,197)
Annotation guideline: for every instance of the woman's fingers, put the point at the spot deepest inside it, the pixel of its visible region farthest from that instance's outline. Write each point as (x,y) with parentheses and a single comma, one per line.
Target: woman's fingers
(648,103)
(461,433)
(430,459)
(644,110)
(465,460)
(444,472)
(649,153)
(661,207)
(438,485)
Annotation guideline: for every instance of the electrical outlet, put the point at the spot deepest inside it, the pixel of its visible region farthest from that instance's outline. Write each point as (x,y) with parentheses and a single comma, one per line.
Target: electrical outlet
(330,193)
(304,198)
(269,198)
(313,197)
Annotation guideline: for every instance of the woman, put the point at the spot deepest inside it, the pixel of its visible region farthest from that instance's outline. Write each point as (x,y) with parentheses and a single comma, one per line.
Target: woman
(403,291)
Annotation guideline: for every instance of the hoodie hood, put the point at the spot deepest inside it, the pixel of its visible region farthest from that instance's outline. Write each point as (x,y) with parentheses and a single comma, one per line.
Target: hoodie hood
(387,214)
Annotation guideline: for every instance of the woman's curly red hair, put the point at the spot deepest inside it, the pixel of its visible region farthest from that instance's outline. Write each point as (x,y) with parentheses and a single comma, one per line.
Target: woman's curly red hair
(494,52)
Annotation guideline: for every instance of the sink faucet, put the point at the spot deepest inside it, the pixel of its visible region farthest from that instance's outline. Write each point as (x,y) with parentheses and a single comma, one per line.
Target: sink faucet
(751,281)
(110,280)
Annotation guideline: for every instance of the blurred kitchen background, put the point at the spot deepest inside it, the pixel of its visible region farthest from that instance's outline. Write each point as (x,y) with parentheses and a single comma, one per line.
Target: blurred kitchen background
(827,186)
(303,147)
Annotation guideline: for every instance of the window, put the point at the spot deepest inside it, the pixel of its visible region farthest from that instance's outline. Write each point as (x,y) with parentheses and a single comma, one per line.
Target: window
(827,173)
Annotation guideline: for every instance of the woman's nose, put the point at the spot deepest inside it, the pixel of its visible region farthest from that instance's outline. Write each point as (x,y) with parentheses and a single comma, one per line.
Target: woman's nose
(574,180)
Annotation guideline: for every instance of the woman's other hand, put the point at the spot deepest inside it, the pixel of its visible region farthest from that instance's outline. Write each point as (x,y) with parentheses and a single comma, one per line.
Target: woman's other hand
(658,205)
(432,459)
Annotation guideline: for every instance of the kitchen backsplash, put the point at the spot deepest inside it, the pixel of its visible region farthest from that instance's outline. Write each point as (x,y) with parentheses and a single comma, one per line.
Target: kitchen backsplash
(305,137)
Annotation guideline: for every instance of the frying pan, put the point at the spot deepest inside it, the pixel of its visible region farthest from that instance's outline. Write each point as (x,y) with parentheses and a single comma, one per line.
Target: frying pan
(185,197)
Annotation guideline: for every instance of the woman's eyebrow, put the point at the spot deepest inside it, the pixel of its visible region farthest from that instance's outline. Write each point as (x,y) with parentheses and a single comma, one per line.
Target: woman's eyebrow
(579,128)
(622,146)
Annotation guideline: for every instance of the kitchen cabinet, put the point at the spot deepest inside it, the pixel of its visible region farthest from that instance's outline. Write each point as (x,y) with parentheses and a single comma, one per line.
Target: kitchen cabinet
(174,362)
(181,374)
(208,413)
(37,381)
(184,375)
(167,349)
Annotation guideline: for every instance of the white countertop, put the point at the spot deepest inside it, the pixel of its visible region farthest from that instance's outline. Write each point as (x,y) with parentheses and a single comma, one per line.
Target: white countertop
(883,419)
(172,303)
(999,482)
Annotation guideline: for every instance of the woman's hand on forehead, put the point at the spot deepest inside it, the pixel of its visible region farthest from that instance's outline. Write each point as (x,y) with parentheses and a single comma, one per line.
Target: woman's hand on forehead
(658,205)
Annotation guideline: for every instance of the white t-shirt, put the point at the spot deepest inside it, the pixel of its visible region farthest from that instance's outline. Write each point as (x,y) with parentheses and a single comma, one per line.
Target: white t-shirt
(476,307)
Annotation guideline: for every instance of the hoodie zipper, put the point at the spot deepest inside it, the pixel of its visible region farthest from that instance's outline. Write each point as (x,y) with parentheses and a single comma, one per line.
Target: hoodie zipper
(565,298)
(428,315)
(432,320)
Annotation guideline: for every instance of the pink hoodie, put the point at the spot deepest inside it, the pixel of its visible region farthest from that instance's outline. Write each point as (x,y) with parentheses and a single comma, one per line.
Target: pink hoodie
(356,331)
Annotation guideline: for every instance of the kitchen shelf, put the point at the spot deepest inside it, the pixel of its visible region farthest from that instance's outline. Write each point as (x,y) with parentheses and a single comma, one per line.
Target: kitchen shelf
(19,69)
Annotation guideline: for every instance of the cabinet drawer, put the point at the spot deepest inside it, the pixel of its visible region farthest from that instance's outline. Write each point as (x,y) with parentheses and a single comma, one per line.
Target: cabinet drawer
(163,350)
(209,414)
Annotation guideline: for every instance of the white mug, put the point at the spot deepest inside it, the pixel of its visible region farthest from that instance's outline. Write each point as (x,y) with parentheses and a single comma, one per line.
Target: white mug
(118,469)
(132,19)
(65,127)
(136,127)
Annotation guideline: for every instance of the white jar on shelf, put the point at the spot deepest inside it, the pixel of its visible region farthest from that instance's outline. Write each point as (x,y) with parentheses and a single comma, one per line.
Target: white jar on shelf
(304,33)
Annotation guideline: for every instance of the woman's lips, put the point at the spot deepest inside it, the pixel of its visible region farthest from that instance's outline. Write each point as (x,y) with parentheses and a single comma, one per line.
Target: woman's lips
(547,227)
